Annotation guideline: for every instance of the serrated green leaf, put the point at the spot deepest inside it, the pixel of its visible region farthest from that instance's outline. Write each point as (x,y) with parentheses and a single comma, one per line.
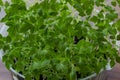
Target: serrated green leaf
(113,3)
(118,37)
(112,16)
(118,59)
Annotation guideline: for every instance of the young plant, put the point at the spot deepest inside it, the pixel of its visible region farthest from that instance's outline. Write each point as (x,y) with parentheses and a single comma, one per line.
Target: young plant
(50,41)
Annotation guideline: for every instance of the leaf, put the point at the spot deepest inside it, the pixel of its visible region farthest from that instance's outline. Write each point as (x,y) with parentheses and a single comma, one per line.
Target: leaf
(112,16)
(118,37)
(113,3)
(118,59)
(73,75)
(26,26)
(80,9)
(60,67)
(1,3)
(94,19)
(40,12)
(41,64)
(99,2)
(45,63)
